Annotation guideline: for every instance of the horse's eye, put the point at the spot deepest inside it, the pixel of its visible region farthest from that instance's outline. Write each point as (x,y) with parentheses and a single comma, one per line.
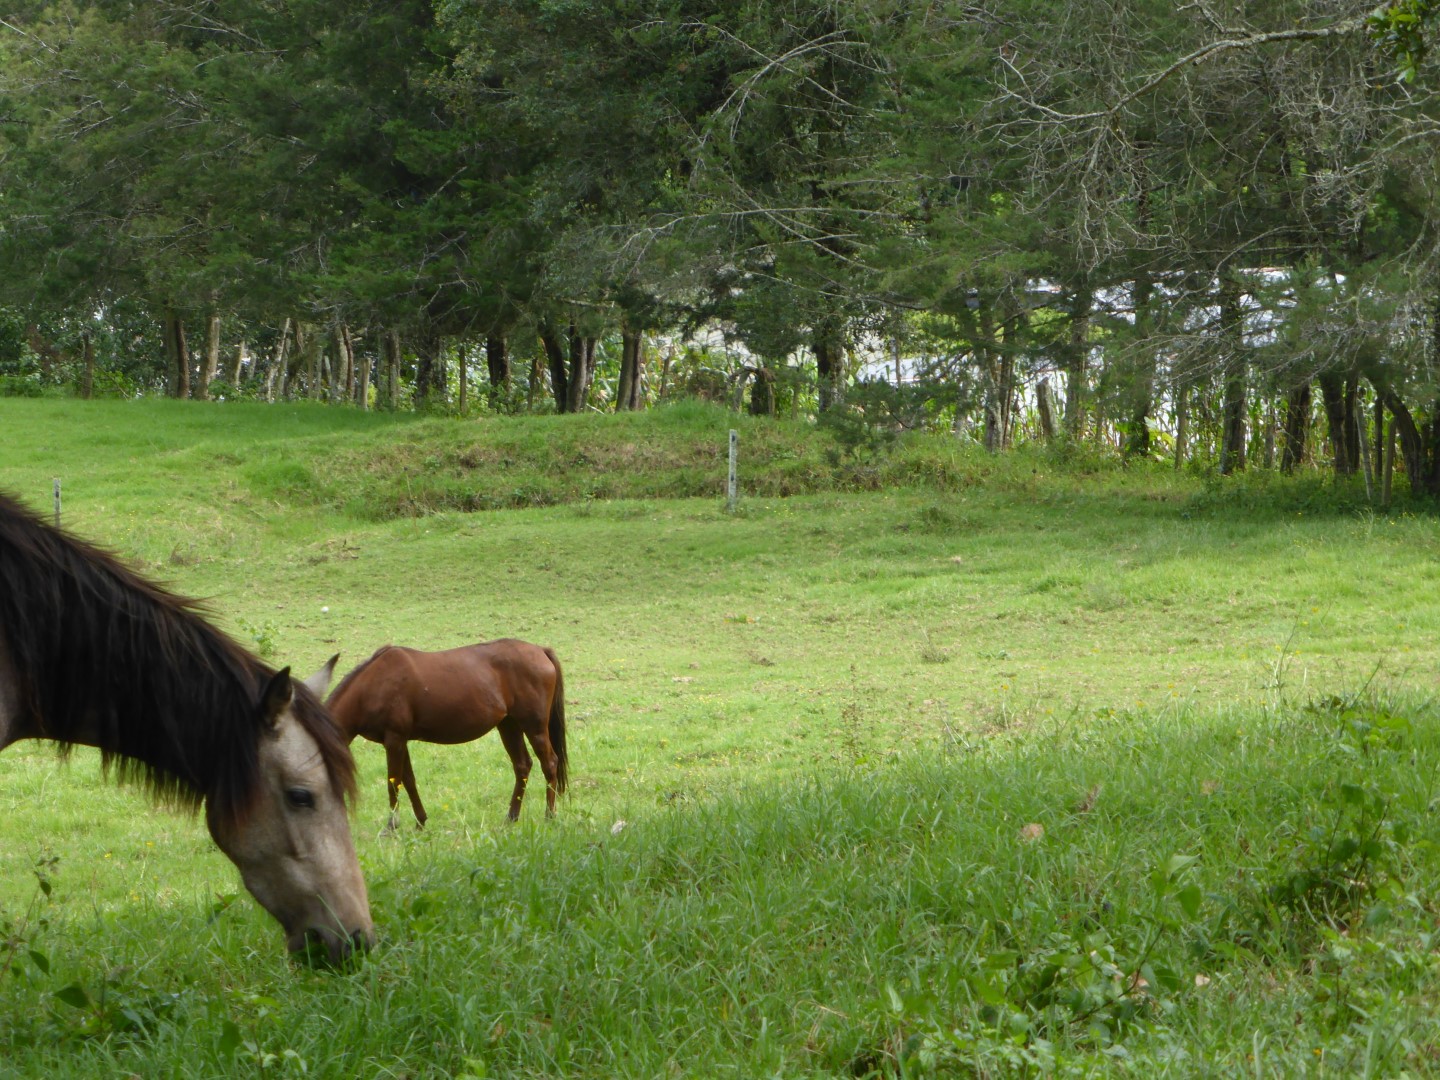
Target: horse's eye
(300,798)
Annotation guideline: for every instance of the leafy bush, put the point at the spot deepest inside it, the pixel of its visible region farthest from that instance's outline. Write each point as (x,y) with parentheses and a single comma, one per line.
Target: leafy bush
(20,386)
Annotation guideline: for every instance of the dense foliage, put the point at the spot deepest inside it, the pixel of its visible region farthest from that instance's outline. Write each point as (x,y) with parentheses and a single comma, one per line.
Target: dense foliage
(1163,228)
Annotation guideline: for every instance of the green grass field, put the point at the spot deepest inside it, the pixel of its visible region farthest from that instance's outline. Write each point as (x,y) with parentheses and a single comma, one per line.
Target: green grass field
(922,763)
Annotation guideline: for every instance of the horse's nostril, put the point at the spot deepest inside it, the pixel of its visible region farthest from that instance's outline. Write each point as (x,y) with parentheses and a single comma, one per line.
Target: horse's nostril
(360,941)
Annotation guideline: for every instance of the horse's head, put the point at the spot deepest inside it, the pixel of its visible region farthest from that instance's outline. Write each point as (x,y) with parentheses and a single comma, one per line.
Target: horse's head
(293,847)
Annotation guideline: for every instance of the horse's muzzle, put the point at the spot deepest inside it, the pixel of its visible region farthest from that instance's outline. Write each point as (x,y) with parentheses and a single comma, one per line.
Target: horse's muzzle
(325,948)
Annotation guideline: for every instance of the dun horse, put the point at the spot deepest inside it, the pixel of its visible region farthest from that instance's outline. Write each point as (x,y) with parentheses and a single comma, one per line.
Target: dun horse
(92,654)
(453,697)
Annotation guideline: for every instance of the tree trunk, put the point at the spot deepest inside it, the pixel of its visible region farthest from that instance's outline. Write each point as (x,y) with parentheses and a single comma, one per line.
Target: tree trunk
(762,392)
(582,371)
(177,355)
(1379,431)
(236,373)
(1013,337)
(362,386)
(462,359)
(1074,356)
(829,368)
(997,374)
(1338,394)
(627,394)
(1364,455)
(212,356)
(309,346)
(338,376)
(1232,433)
(497,362)
(1182,423)
(87,371)
(994,428)
(1389,465)
(1297,425)
(555,361)
(1142,378)
(1142,386)
(345,343)
(665,363)
(429,375)
(1412,443)
(1045,410)
(532,384)
(276,368)
(387,392)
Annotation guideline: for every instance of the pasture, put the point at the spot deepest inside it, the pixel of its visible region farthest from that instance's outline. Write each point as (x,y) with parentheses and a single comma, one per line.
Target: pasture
(922,763)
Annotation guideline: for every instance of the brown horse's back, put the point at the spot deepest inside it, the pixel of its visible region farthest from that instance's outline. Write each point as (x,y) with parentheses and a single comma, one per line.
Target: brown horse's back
(450,696)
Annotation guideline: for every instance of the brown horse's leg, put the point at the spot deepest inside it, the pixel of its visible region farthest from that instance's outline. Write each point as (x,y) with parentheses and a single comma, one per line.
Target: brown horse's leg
(519,759)
(415,804)
(402,774)
(549,765)
(395,758)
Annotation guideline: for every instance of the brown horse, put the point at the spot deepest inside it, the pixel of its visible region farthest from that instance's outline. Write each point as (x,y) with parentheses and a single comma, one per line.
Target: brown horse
(93,654)
(453,697)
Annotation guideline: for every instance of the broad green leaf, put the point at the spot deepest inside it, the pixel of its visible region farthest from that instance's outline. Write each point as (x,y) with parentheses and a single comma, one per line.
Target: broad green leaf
(1179,863)
(1190,898)
(74,995)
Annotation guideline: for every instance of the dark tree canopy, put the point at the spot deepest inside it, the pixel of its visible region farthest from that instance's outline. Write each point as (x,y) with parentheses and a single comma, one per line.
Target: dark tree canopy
(1161,228)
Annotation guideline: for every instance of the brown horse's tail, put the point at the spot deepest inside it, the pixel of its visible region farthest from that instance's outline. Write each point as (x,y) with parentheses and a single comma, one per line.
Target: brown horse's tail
(557,726)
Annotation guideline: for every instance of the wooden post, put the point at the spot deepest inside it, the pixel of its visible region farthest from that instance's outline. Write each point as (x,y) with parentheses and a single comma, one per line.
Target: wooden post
(57,502)
(730,488)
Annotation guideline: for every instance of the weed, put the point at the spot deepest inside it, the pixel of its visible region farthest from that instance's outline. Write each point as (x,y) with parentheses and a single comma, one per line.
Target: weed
(930,653)
(263,637)
(855,724)
(26,931)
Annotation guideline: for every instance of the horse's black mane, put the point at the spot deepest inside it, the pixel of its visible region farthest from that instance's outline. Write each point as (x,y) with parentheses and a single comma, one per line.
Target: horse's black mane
(174,703)
(349,678)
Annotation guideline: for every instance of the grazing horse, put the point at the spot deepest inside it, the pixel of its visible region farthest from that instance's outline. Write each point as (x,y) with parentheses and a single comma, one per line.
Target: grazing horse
(92,654)
(453,697)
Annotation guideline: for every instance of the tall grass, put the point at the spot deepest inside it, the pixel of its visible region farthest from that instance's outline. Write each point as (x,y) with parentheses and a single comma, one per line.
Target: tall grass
(1204,894)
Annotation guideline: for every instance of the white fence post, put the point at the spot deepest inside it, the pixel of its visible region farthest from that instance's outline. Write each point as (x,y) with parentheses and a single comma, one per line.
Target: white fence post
(730,488)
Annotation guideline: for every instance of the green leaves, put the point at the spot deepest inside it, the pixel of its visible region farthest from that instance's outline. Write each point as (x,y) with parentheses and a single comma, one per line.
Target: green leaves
(73,995)
(1402,29)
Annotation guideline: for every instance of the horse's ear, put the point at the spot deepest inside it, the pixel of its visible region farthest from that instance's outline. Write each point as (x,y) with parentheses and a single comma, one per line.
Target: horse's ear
(277,696)
(321,679)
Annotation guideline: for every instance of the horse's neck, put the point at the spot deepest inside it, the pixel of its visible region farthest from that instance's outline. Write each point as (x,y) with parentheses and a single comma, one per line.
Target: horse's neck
(344,713)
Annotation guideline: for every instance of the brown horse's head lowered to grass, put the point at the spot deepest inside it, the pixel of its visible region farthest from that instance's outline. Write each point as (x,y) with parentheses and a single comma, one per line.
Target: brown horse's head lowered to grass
(92,654)
(454,696)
